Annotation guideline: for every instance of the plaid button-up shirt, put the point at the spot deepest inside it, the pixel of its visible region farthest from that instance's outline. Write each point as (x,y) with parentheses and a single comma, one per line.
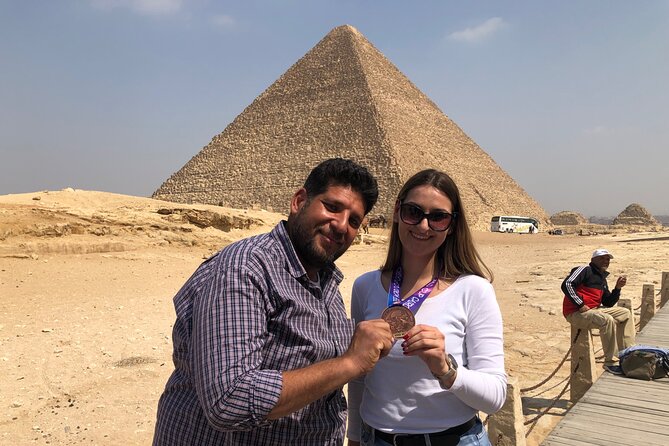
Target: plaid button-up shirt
(248,313)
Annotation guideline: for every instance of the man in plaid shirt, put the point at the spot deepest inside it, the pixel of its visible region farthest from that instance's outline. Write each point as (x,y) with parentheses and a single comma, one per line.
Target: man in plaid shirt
(262,342)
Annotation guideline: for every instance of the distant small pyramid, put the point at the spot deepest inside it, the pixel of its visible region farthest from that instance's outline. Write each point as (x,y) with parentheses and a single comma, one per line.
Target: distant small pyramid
(345,99)
(568,218)
(636,215)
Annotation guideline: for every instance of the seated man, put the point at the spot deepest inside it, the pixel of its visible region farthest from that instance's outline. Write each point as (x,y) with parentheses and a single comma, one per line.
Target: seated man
(588,303)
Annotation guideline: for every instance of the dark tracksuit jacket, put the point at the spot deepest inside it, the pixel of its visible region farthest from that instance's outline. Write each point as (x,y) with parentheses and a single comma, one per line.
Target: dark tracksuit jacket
(586,285)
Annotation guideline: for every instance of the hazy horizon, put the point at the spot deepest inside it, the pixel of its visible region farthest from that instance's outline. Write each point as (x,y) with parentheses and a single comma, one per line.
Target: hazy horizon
(570,99)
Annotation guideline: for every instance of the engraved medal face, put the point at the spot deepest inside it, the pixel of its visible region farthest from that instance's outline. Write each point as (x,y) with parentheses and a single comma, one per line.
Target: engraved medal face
(400,320)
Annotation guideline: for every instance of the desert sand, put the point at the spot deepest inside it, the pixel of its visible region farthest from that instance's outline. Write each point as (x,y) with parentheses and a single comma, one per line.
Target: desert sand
(86,286)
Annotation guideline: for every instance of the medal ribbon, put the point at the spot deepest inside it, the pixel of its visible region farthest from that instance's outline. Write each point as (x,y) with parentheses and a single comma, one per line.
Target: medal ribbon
(413,301)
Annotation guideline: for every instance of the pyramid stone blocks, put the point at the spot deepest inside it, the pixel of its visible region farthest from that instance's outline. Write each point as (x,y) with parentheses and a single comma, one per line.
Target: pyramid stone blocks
(345,99)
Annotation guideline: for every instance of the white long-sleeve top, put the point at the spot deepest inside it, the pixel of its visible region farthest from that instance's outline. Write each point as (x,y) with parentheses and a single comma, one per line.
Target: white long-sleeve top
(400,395)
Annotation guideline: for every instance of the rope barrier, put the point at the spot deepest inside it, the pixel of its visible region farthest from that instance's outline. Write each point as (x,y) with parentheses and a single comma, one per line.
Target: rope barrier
(550,388)
(527,389)
(534,420)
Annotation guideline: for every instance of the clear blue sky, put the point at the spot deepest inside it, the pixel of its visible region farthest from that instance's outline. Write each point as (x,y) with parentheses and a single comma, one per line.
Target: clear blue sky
(571,98)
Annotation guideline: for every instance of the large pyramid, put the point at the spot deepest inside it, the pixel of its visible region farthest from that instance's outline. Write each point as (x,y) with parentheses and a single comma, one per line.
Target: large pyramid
(343,98)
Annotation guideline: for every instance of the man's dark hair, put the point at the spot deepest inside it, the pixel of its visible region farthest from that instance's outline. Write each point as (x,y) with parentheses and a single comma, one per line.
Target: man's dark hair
(343,172)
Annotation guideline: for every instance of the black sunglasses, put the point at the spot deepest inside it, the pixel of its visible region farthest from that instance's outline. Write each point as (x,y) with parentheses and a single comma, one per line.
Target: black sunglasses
(437,221)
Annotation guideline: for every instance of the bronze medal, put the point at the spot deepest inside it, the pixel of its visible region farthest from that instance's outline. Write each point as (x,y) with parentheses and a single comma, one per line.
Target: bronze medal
(400,319)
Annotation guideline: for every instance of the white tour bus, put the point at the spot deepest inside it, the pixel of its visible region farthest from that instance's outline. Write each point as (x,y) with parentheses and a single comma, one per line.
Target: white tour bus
(511,223)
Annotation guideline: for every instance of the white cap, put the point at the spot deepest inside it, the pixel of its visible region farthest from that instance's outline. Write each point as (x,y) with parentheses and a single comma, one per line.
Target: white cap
(601,252)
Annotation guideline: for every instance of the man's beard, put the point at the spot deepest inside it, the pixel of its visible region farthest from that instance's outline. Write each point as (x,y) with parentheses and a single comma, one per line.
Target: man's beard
(305,246)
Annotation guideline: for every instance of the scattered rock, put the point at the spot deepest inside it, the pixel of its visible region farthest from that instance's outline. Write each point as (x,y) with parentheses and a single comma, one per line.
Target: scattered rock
(134,361)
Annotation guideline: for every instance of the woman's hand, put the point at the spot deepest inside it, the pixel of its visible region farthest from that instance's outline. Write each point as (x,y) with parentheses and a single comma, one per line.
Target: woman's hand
(428,344)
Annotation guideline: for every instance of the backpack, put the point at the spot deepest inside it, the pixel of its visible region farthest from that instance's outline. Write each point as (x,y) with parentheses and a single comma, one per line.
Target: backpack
(645,362)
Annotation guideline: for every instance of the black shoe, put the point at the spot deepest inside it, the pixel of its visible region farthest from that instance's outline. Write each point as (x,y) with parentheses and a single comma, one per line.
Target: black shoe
(615,369)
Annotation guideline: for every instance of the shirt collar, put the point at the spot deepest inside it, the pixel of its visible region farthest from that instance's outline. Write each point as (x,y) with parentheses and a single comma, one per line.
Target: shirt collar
(293,264)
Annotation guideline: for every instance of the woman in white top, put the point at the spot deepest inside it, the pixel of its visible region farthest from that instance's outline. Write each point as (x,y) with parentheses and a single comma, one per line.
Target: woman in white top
(450,364)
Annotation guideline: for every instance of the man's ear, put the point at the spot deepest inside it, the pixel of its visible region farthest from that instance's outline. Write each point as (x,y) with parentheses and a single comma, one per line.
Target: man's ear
(299,199)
